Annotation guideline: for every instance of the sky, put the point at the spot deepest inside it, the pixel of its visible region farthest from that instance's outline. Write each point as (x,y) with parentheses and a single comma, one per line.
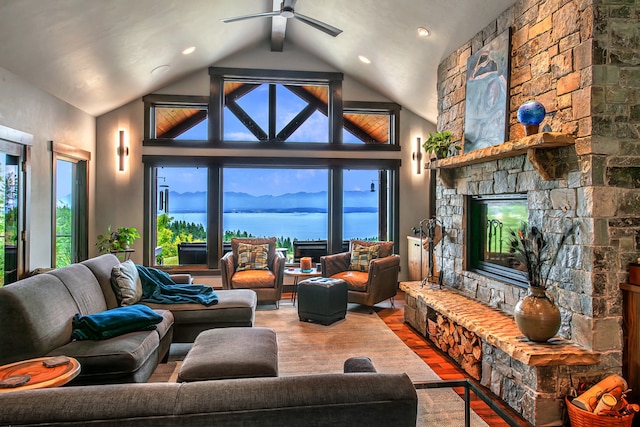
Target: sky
(258,182)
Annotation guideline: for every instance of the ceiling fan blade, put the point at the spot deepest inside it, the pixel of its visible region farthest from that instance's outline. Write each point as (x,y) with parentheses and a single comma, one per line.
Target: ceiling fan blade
(254,15)
(329,29)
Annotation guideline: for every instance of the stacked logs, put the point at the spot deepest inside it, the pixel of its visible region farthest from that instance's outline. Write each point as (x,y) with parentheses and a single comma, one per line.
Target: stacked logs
(462,345)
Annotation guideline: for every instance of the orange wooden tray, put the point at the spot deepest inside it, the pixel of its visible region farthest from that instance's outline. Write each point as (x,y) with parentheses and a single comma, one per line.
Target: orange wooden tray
(41,376)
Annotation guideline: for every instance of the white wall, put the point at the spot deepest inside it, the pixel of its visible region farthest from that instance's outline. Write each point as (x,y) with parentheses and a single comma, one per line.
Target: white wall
(25,108)
(123,201)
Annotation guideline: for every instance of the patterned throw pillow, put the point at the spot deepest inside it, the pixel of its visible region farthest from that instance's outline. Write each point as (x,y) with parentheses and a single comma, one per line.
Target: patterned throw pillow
(361,256)
(253,257)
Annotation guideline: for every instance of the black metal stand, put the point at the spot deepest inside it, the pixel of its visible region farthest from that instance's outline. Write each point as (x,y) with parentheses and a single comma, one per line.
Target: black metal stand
(470,385)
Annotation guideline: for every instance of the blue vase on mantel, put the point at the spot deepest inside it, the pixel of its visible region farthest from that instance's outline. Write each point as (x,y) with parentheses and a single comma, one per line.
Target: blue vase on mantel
(531,114)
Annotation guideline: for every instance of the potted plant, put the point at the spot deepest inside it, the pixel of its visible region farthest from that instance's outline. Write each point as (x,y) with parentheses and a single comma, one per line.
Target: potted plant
(440,143)
(536,315)
(117,240)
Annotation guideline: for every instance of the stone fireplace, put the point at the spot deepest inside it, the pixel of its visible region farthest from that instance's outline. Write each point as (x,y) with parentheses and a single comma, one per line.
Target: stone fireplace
(578,59)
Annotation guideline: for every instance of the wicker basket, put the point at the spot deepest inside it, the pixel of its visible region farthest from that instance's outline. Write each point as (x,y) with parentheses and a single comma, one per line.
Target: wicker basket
(581,418)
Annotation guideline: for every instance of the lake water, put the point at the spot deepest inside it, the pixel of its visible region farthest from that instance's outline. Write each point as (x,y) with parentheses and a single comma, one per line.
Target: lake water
(302,226)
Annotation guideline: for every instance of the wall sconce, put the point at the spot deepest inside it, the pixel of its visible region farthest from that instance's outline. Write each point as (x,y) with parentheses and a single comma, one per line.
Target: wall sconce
(417,156)
(122,151)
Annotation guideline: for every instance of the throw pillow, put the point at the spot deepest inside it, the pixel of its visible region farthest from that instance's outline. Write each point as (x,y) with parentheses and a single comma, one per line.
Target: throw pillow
(386,248)
(361,256)
(126,283)
(253,257)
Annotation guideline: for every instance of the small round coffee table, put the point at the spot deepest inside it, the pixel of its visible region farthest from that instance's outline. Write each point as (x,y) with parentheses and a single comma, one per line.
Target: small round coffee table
(297,273)
(39,375)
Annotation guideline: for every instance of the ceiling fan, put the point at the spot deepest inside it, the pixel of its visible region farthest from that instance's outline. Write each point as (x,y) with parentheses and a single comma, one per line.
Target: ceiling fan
(287,11)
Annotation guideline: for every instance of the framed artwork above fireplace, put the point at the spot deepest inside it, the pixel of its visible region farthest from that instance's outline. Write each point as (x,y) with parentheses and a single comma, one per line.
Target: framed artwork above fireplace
(486,104)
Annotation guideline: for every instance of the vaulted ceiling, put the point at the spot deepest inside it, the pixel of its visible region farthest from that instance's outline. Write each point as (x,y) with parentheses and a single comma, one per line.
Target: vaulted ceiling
(98,54)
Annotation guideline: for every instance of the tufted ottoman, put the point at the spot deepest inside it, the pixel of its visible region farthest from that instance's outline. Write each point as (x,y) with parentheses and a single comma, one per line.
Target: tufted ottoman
(322,299)
(225,353)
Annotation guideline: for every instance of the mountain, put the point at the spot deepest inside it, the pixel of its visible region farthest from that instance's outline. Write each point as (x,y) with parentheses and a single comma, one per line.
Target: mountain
(355,201)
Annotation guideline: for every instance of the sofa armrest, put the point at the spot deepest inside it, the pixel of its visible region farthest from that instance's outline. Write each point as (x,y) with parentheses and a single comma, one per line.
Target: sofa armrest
(227,268)
(182,278)
(358,364)
(334,264)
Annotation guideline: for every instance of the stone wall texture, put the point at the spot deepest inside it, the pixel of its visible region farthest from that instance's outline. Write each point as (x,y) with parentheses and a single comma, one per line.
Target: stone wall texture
(581,59)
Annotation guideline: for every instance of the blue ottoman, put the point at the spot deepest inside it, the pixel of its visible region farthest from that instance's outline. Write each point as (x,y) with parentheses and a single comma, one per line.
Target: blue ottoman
(322,299)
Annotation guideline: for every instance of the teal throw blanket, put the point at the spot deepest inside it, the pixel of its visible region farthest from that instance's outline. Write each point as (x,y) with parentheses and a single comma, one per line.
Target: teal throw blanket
(114,322)
(158,287)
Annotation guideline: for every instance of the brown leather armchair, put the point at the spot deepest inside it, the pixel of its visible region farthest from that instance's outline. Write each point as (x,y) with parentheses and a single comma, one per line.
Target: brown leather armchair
(266,283)
(369,287)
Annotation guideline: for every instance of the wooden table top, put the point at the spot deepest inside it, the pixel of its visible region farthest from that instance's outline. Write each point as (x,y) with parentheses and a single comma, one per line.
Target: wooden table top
(298,272)
(40,375)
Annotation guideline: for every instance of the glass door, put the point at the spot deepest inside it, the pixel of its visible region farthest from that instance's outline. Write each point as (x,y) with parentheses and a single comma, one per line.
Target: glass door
(9,216)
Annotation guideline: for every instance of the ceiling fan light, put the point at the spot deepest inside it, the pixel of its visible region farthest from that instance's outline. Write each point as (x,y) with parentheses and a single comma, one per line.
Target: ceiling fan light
(287,12)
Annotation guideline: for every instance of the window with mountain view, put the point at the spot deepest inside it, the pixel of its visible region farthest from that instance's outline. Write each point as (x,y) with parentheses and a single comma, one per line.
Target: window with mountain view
(235,191)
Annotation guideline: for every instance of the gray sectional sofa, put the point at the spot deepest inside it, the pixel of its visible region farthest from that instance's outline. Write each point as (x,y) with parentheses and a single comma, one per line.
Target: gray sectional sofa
(36,320)
(350,399)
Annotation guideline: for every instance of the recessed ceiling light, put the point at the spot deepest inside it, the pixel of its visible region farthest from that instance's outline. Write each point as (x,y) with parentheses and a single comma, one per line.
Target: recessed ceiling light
(189,50)
(160,70)
(364,59)
(423,32)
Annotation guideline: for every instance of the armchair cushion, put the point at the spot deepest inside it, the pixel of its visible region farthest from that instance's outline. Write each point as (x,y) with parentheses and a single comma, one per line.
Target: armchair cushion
(361,256)
(386,248)
(356,280)
(249,279)
(252,257)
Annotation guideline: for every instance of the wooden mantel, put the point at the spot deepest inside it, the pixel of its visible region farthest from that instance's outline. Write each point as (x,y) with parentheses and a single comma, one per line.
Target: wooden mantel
(537,147)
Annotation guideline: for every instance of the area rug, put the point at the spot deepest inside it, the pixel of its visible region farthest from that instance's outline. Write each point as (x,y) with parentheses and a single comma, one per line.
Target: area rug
(310,348)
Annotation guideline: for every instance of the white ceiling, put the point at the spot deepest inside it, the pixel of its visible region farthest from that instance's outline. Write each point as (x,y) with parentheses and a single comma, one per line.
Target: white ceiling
(98,54)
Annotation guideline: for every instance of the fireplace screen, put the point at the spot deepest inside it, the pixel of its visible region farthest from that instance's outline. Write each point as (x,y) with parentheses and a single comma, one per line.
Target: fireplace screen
(490,218)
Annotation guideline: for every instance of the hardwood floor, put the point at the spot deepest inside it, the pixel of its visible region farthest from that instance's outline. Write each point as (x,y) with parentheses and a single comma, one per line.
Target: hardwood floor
(443,366)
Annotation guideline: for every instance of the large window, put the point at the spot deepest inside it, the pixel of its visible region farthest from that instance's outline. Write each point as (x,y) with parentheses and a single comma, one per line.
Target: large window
(291,204)
(235,190)
(489,221)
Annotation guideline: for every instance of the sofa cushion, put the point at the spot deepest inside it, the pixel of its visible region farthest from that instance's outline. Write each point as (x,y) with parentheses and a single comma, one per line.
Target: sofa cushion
(361,256)
(35,317)
(252,257)
(101,268)
(126,283)
(235,306)
(386,248)
(116,356)
(83,287)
